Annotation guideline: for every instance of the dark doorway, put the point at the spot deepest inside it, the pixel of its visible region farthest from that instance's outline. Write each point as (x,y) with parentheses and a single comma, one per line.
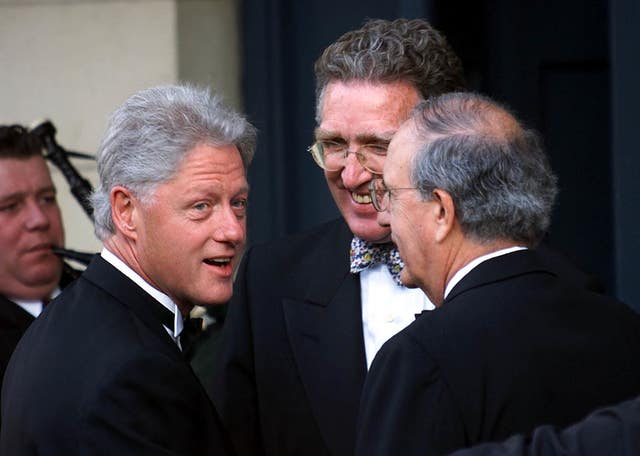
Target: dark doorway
(549,62)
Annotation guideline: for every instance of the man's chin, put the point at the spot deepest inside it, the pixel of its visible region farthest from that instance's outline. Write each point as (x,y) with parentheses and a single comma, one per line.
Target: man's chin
(407,279)
(369,231)
(44,276)
(215,299)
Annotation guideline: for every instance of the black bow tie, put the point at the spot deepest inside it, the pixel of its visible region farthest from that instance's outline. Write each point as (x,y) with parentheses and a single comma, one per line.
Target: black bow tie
(191,328)
(190,332)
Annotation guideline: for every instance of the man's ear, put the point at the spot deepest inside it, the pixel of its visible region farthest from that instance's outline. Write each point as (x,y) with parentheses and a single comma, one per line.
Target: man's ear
(123,211)
(444,212)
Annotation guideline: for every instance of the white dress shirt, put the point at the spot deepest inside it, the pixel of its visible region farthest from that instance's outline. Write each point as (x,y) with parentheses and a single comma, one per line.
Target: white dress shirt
(34,306)
(387,308)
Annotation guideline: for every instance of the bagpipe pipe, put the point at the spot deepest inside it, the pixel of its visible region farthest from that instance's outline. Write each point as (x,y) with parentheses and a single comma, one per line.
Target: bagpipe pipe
(80,187)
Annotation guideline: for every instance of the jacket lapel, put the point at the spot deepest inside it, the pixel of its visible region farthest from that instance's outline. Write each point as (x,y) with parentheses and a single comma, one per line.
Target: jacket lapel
(324,324)
(499,268)
(108,278)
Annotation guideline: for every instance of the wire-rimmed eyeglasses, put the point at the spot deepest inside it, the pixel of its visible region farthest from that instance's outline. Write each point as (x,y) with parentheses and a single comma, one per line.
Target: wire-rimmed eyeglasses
(332,155)
(380,194)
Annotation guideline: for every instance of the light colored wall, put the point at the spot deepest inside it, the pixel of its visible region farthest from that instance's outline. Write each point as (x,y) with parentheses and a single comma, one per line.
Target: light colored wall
(75,61)
(209,46)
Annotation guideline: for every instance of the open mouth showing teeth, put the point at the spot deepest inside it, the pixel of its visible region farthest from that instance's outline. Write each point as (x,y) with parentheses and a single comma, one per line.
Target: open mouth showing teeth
(218,261)
(361,199)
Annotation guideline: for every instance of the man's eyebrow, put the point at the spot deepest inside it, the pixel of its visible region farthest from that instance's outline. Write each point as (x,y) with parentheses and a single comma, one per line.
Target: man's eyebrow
(244,189)
(363,138)
(319,133)
(49,188)
(12,196)
(373,138)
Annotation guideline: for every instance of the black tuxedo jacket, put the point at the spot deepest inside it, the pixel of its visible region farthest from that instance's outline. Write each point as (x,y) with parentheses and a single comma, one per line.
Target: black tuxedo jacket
(14,321)
(291,360)
(97,373)
(512,347)
(609,431)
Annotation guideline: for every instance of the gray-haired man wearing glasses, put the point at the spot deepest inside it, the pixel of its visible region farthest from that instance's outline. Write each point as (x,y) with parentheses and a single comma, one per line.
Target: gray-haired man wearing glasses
(467,192)
(309,312)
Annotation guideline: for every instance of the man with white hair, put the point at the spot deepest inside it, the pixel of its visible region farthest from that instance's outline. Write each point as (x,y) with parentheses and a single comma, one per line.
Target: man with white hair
(101,371)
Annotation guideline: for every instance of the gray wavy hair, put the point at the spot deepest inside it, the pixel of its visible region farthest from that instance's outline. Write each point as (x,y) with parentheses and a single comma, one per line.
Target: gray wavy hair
(495,170)
(151,133)
(390,51)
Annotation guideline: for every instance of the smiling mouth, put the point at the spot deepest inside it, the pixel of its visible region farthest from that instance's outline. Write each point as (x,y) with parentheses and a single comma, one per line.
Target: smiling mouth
(361,199)
(220,262)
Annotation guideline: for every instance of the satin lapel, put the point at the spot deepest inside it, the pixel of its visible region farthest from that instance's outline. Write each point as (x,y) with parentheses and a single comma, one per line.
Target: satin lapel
(498,269)
(324,324)
(105,276)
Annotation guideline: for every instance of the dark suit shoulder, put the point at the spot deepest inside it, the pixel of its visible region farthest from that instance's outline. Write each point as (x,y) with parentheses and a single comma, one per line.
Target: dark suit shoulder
(329,239)
(567,270)
(508,343)
(511,342)
(331,229)
(80,323)
(515,296)
(307,265)
(110,381)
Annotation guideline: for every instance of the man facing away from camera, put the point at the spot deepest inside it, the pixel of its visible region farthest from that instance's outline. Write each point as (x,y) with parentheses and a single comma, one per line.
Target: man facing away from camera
(467,191)
(101,371)
(309,312)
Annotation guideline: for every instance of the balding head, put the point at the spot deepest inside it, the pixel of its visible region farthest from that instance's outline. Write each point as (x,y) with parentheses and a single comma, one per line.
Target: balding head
(494,169)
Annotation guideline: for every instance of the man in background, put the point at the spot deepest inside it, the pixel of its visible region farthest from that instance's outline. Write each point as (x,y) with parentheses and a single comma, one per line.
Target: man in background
(310,312)
(102,370)
(30,226)
(467,192)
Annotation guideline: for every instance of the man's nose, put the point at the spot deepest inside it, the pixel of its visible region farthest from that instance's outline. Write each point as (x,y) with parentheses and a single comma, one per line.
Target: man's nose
(36,216)
(354,174)
(229,228)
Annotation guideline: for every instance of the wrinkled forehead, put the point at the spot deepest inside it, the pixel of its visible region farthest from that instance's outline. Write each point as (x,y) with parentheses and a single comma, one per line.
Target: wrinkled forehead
(391,102)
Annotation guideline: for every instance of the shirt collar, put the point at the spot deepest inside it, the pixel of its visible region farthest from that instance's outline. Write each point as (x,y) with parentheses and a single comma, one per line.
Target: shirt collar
(466,269)
(34,306)
(159,296)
